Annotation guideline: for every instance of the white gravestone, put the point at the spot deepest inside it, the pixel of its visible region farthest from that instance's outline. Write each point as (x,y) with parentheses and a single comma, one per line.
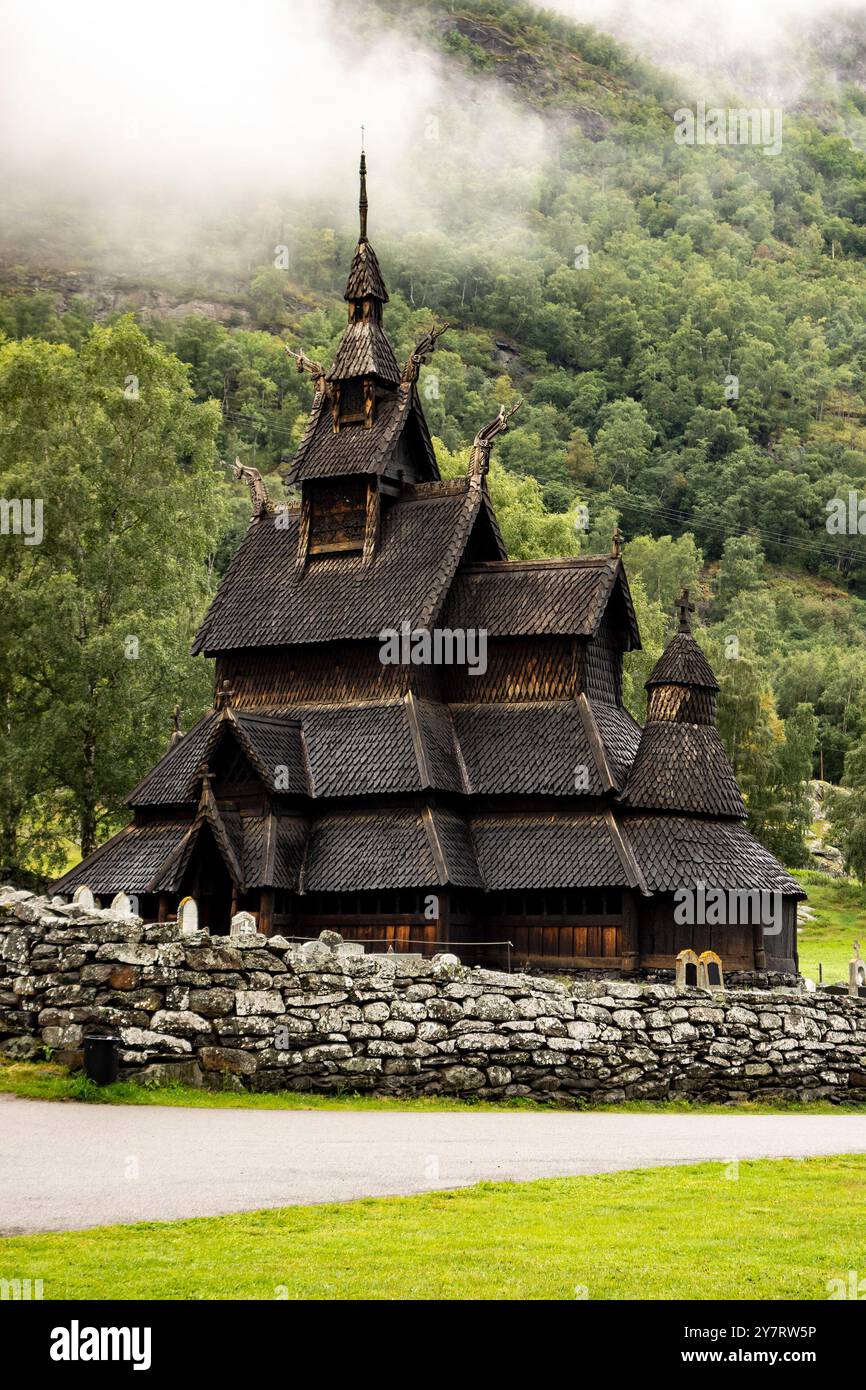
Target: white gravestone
(187,916)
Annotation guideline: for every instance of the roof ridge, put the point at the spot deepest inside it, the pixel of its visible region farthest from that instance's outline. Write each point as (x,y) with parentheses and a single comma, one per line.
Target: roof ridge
(596,744)
(558,562)
(453,552)
(627,856)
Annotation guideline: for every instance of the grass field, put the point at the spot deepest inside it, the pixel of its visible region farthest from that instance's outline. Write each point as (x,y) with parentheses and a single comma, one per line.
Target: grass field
(776,1229)
(839,906)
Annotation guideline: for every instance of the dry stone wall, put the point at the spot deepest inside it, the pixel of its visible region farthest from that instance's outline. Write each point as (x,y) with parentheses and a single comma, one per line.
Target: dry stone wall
(267,1014)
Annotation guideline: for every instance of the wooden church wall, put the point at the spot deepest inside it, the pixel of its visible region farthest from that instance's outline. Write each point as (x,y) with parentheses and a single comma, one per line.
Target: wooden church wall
(278,677)
(558,928)
(602,673)
(518,668)
(662,938)
(782,952)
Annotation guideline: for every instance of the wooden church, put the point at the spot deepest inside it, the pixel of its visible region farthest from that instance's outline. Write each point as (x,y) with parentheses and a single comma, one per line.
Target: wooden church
(434,804)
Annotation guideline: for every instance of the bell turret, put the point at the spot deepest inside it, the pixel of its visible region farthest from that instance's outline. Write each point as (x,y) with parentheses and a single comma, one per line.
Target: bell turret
(681,764)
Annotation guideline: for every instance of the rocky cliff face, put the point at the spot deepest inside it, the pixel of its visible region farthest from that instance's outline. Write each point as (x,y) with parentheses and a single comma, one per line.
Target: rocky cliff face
(269,1014)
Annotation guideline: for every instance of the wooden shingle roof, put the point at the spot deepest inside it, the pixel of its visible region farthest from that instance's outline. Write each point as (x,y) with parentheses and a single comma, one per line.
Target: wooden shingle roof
(375,748)
(264,600)
(365,276)
(270,742)
(400,847)
(364,350)
(682,663)
(128,860)
(677,852)
(548,851)
(534,749)
(683,767)
(324,453)
(543,597)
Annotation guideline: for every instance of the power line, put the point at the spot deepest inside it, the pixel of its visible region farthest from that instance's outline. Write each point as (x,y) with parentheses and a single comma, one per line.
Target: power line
(676,516)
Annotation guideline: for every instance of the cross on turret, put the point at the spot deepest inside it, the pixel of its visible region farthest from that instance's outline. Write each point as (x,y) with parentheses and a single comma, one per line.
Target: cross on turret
(685,609)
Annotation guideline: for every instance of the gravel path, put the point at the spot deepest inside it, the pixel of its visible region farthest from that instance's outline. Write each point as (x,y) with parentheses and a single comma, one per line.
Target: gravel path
(65,1166)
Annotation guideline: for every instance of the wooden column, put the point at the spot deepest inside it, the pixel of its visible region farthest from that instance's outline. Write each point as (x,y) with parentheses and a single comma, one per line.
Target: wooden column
(630,933)
(162,910)
(266,911)
(758,945)
(443,925)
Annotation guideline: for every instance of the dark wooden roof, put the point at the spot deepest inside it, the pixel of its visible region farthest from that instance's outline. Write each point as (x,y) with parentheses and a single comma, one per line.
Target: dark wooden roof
(375,748)
(553,597)
(683,663)
(620,736)
(269,742)
(264,600)
(358,750)
(273,850)
(676,852)
(128,860)
(399,847)
(555,850)
(525,749)
(365,350)
(683,767)
(365,277)
(324,453)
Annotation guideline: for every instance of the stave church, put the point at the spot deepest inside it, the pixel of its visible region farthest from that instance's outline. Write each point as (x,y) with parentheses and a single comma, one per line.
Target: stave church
(509,809)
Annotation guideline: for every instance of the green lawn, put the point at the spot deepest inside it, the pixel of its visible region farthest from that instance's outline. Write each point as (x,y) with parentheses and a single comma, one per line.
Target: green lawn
(840,918)
(49,1081)
(777,1230)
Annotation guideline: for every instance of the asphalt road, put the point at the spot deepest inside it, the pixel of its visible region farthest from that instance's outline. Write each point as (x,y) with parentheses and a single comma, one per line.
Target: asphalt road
(66,1166)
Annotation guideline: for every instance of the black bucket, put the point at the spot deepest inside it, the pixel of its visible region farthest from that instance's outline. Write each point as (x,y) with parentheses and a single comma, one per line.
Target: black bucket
(101,1059)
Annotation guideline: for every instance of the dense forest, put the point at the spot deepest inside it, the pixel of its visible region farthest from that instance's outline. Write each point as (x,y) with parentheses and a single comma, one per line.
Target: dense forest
(686,327)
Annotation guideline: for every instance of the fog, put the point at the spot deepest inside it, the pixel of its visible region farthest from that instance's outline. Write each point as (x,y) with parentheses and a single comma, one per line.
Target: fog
(759,47)
(197,103)
(153,116)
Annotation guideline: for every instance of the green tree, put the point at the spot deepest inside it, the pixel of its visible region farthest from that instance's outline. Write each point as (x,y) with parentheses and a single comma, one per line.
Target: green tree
(665,566)
(98,616)
(846,812)
(623,443)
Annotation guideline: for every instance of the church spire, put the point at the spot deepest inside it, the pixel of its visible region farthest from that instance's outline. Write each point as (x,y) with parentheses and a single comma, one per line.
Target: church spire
(362,200)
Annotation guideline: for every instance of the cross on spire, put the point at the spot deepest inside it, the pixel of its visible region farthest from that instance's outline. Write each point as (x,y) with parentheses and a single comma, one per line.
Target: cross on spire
(685,609)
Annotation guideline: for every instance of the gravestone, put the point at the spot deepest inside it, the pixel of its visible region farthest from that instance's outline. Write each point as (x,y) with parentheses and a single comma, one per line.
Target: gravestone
(83,896)
(710,974)
(687,969)
(857,974)
(122,903)
(187,916)
(243,924)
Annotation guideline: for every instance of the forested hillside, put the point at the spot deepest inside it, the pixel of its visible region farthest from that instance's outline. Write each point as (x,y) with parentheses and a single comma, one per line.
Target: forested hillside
(686,326)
